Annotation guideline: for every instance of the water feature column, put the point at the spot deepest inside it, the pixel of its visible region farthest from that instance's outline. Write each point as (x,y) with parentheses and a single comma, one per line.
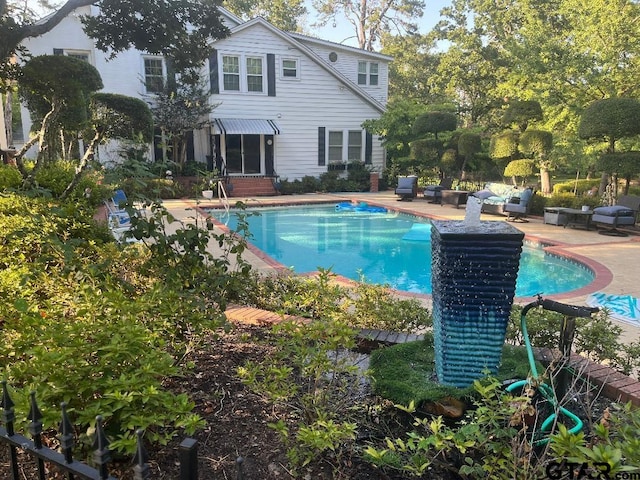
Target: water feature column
(474,270)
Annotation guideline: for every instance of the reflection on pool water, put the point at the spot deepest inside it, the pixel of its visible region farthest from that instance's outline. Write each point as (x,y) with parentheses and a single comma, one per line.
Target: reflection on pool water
(385,248)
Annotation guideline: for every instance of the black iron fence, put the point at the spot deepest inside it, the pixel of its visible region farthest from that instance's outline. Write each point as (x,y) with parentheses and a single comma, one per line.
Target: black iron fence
(63,459)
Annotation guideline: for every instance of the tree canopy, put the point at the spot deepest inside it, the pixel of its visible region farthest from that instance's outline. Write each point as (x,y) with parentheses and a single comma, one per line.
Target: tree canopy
(435,122)
(610,119)
(284,14)
(372,18)
(167,27)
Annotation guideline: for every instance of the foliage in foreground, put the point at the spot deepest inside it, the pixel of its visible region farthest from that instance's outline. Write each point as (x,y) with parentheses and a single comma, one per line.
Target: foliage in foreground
(493,441)
(100,326)
(362,305)
(313,373)
(596,338)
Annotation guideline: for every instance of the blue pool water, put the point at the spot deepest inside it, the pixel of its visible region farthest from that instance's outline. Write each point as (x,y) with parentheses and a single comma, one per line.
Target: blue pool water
(385,248)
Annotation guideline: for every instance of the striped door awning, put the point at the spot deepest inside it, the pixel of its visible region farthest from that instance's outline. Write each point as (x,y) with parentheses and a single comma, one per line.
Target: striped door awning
(245,126)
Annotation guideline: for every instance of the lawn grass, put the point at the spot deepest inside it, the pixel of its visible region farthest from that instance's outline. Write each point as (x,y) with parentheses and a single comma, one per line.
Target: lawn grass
(406,372)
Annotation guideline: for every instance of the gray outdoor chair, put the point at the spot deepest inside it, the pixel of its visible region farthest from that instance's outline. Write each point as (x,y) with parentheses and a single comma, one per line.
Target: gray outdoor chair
(613,217)
(518,207)
(433,193)
(407,187)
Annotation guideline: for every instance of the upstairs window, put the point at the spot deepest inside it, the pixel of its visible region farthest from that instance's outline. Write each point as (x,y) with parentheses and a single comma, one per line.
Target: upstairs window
(231,72)
(362,73)
(243,73)
(367,73)
(289,68)
(153,75)
(373,74)
(254,74)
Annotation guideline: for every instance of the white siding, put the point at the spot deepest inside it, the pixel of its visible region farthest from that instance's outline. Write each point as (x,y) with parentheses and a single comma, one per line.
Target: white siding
(317,99)
(347,64)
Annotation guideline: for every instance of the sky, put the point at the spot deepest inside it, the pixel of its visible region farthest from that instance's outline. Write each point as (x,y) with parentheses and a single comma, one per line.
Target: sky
(344,33)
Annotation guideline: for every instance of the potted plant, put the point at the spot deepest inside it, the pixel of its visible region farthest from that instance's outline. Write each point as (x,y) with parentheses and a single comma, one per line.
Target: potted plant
(208,184)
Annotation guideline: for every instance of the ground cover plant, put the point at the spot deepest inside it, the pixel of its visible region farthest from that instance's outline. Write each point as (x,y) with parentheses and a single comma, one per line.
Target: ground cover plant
(137,333)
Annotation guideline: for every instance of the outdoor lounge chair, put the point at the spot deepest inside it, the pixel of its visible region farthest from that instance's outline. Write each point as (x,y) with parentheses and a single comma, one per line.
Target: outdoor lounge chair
(118,218)
(433,193)
(407,187)
(517,208)
(613,217)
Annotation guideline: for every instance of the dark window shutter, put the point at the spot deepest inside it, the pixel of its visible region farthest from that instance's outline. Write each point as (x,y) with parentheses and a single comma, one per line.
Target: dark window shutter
(213,72)
(171,75)
(368,148)
(271,75)
(321,146)
(58,51)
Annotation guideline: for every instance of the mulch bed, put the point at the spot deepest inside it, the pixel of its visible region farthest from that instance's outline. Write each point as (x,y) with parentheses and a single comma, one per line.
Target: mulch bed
(237,424)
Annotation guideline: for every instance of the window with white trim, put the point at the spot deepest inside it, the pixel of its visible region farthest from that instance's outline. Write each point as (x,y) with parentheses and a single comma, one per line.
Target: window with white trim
(231,73)
(335,146)
(354,146)
(154,73)
(368,73)
(255,78)
(84,55)
(373,73)
(243,73)
(290,68)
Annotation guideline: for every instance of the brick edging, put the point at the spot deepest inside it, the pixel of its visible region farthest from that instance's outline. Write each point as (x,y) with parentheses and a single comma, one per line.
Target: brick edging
(615,385)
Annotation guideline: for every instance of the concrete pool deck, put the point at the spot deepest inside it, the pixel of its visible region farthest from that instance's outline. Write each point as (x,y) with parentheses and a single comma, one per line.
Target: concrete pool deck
(615,260)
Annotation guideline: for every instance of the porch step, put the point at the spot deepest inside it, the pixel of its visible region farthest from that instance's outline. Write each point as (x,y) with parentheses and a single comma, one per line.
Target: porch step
(251,187)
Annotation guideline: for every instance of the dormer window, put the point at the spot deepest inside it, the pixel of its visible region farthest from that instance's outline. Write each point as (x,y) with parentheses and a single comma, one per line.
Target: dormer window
(367,73)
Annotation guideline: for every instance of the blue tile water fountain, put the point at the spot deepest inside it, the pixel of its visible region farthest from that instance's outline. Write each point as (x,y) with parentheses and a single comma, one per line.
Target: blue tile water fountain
(474,270)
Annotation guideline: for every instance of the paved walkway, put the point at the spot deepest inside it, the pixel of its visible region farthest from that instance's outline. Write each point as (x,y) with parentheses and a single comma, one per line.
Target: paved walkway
(615,260)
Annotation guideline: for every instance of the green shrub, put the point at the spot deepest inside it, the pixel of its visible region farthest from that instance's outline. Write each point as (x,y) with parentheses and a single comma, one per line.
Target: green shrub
(357,180)
(10,177)
(101,326)
(312,372)
(359,176)
(363,306)
(55,177)
(568,200)
(101,360)
(581,187)
(288,187)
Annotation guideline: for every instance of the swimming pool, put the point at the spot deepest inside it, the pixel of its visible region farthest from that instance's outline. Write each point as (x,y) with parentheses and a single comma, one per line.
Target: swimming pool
(385,248)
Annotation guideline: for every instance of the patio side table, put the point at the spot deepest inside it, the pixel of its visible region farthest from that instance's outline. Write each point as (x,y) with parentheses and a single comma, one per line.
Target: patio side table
(555,215)
(578,218)
(454,197)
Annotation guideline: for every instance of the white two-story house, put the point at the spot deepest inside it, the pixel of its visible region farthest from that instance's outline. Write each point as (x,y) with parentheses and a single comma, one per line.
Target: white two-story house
(288,105)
